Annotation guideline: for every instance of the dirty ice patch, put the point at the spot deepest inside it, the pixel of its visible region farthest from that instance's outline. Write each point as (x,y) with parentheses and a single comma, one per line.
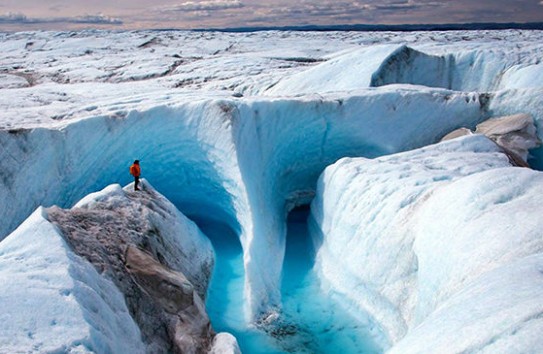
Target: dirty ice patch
(53,300)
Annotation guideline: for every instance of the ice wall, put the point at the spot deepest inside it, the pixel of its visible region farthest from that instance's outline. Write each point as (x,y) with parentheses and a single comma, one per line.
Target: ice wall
(242,163)
(417,240)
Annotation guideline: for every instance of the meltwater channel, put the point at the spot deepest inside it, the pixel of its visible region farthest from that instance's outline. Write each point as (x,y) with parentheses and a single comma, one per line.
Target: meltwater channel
(311,321)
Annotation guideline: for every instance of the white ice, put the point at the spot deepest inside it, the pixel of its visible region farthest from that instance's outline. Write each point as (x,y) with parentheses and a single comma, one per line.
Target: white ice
(404,238)
(235,129)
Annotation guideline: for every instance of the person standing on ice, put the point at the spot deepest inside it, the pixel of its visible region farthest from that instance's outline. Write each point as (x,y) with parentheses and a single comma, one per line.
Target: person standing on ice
(135,170)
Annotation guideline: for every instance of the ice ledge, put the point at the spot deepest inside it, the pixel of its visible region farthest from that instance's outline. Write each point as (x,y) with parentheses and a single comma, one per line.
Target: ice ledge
(143,248)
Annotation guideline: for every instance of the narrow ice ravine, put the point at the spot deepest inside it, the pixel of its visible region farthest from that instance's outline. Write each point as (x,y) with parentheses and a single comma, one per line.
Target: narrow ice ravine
(315,322)
(311,321)
(225,299)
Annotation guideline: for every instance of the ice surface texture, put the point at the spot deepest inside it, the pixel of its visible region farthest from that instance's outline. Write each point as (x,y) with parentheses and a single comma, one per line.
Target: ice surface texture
(96,101)
(435,243)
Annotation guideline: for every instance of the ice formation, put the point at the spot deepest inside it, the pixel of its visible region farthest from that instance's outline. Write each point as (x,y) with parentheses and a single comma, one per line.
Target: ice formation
(406,238)
(235,129)
(123,272)
(53,300)
(516,134)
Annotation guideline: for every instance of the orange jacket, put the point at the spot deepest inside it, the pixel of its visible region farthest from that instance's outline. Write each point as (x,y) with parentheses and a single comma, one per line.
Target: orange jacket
(135,170)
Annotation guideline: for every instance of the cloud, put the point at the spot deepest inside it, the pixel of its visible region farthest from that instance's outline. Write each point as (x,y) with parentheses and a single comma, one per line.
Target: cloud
(346,11)
(210,5)
(96,19)
(397,5)
(13,17)
(19,18)
(315,9)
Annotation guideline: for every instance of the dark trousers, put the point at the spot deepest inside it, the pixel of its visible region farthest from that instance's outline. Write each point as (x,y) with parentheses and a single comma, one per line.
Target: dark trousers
(136,182)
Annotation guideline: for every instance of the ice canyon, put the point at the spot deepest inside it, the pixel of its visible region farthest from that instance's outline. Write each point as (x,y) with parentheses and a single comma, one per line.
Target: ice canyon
(299,194)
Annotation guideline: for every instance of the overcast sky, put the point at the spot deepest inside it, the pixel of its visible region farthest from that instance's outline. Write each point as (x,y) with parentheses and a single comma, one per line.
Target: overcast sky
(133,14)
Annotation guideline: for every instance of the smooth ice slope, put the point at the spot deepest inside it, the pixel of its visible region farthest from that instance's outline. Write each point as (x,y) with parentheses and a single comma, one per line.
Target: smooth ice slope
(381,249)
(501,312)
(55,301)
(348,71)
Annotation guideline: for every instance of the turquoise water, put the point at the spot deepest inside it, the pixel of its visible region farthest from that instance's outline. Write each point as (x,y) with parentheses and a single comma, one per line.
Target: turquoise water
(310,322)
(322,325)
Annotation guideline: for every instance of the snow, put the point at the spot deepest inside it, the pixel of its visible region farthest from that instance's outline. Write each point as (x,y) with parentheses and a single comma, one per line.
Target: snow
(382,251)
(235,129)
(53,300)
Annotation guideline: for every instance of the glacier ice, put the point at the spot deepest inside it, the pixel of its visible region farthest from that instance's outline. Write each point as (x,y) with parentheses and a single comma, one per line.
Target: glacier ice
(132,269)
(402,237)
(235,129)
(500,312)
(240,163)
(54,300)
(475,70)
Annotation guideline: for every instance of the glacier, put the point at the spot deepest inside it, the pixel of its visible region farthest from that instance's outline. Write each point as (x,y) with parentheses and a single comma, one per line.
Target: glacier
(235,131)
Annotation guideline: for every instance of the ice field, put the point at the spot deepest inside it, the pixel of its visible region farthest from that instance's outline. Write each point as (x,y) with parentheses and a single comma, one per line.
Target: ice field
(312,162)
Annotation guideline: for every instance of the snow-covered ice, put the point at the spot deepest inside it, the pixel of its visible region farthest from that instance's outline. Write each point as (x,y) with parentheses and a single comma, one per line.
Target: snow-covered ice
(235,129)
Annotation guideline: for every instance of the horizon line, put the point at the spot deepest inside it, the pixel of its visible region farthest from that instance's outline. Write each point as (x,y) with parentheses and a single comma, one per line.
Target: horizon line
(360,27)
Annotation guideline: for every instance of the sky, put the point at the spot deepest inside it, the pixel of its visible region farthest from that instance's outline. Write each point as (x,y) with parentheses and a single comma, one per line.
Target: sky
(193,14)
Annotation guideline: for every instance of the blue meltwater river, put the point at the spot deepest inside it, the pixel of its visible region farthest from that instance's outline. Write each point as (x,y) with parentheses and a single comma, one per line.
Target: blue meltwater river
(311,321)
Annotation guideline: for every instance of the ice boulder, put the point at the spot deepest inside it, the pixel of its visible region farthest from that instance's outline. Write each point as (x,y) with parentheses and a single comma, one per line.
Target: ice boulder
(515,133)
(225,343)
(402,237)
